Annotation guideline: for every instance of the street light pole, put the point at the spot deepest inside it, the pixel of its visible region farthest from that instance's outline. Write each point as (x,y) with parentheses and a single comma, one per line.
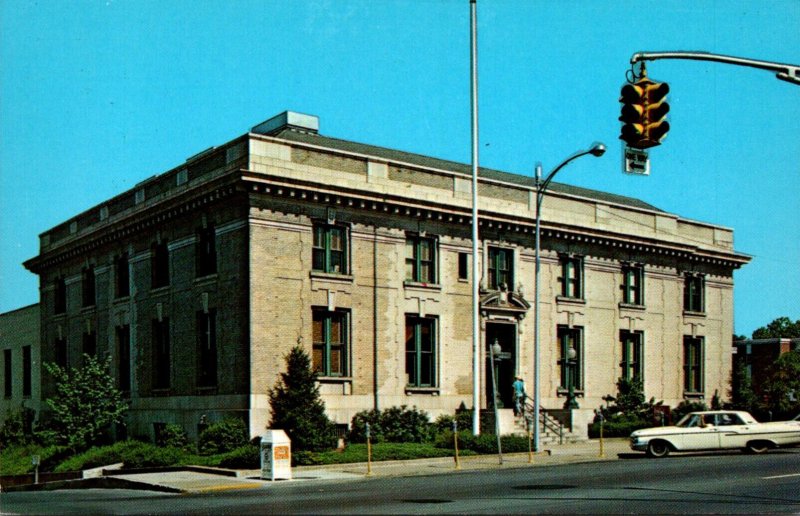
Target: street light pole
(597,149)
(572,354)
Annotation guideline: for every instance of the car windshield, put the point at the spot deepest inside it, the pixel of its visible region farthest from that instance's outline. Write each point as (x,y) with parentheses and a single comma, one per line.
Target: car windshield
(689,421)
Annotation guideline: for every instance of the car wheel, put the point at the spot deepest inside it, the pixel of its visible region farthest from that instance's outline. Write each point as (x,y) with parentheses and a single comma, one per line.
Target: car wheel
(757,447)
(657,449)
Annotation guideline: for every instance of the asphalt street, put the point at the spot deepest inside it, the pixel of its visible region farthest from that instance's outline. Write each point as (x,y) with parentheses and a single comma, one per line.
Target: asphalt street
(692,483)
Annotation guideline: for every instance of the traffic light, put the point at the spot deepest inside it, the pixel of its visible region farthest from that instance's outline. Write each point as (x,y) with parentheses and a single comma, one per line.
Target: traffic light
(644,109)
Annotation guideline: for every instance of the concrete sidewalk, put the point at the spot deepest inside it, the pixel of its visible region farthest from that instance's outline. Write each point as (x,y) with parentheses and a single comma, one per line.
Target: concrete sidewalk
(208,480)
(200,479)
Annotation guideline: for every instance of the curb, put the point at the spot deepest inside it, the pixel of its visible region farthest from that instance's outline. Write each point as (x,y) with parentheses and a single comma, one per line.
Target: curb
(93,483)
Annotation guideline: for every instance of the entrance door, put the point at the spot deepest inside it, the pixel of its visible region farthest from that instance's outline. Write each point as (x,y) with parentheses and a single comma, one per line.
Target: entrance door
(505,364)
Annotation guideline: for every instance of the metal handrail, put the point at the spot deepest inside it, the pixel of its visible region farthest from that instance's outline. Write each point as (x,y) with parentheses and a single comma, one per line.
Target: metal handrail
(549,422)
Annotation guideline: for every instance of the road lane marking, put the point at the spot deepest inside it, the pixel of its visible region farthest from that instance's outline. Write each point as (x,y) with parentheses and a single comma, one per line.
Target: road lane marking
(781,476)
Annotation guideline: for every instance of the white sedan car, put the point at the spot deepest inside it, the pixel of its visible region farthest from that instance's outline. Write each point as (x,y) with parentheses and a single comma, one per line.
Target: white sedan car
(716,430)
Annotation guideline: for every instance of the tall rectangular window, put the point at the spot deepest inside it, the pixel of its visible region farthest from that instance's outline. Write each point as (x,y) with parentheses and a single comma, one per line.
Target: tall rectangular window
(89,344)
(501,268)
(162,366)
(207,349)
(463,266)
(331,338)
(206,252)
(124,358)
(159,265)
(60,296)
(633,284)
(330,248)
(693,293)
(88,286)
(572,276)
(122,288)
(27,370)
(632,354)
(421,342)
(420,259)
(60,347)
(7,378)
(570,338)
(693,364)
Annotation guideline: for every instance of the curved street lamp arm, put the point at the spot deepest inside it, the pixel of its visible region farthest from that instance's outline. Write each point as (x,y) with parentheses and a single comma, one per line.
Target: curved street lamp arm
(541,187)
(785,72)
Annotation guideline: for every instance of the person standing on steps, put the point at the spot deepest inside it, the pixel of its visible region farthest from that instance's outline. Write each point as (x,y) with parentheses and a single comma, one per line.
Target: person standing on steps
(519,396)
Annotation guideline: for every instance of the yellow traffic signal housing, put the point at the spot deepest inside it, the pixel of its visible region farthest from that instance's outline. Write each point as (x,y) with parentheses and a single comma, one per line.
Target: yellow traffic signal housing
(644,109)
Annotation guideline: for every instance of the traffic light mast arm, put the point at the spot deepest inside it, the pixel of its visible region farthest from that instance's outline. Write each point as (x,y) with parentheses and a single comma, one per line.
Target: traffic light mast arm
(785,72)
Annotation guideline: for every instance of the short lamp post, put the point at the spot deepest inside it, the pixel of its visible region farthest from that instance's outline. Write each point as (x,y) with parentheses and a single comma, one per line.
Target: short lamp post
(495,351)
(572,364)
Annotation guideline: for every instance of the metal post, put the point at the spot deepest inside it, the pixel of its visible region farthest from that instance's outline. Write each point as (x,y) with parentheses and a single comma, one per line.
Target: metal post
(455,443)
(536,379)
(369,451)
(476,348)
(494,397)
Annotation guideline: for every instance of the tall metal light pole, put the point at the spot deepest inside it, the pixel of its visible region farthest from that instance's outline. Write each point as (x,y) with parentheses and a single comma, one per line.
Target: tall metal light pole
(597,149)
(476,348)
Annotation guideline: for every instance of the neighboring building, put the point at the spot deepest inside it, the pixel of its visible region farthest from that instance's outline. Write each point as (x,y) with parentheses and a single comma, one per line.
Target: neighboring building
(198,281)
(21,365)
(758,355)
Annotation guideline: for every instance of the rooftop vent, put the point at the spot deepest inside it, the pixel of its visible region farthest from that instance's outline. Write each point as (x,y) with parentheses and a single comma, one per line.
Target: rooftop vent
(288,120)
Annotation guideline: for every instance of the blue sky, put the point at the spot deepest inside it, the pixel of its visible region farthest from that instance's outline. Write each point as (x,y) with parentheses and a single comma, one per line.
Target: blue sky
(96,96)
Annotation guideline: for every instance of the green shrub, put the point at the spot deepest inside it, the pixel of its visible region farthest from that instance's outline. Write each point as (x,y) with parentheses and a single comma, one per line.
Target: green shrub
(463,417)
(406,425)
(395,424)
(618,427)
(223,436)
(173,436)
(18,427)
(16,459)
(133,455)
(358,427)
(244,457)
(306,458)
(483,443)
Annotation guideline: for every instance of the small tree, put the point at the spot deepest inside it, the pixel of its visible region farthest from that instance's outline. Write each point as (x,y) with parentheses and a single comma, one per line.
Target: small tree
(782,387)
(629,402)
(86,402)
(743,396)
(297,407)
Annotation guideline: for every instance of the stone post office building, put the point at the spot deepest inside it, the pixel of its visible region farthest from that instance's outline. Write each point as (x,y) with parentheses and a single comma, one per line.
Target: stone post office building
(199,280)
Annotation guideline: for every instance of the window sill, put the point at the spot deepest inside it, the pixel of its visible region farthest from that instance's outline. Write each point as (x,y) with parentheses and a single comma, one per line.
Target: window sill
(88,309)
(563,393)
(160,393)
(690,313)
(431,391)
(421,285)
(331,276)
(121,300)
(463,280)
(694,395)
(155,291)
(564,300)
(629,306)
(335,379)
(209,278)
(206,391)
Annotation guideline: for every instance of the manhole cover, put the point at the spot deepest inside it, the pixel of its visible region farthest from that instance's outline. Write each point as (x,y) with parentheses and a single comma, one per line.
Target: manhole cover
(545,487)
(427,500)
